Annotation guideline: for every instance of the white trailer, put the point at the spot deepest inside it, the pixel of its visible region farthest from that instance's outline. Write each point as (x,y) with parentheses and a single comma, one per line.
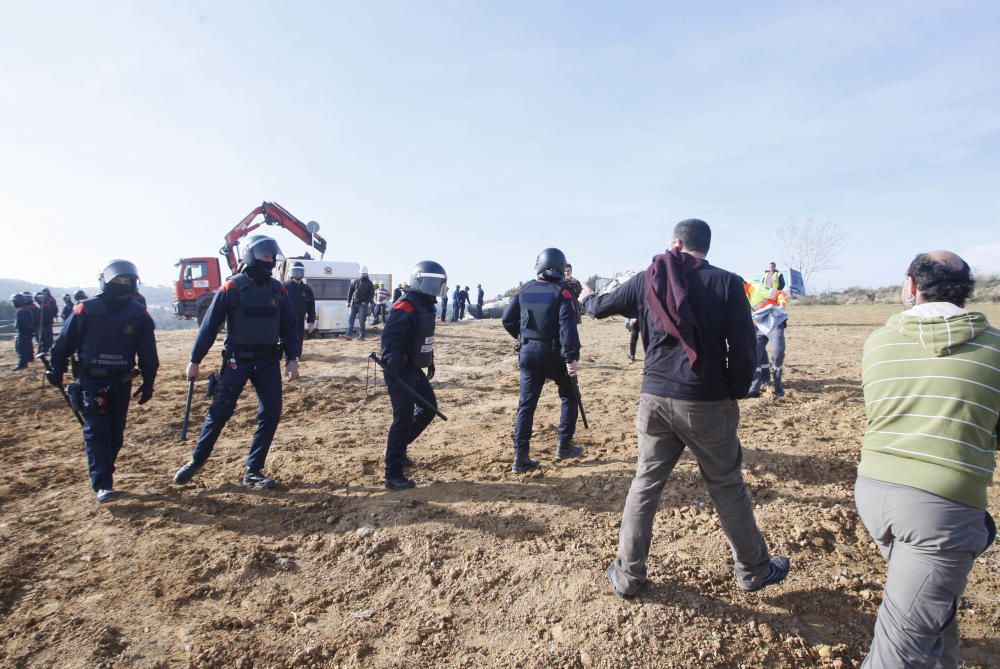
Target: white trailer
(330,282)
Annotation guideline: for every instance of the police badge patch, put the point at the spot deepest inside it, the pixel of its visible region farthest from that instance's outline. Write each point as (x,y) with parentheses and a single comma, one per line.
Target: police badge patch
(129,328)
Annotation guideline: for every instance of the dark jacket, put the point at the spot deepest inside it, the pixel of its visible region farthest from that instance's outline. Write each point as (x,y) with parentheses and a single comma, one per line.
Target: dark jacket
(727,337)
(362,291)
(226,301)
(302,299)
(566,340)
(135,338)
(480,294)
(24,321)
(408,333)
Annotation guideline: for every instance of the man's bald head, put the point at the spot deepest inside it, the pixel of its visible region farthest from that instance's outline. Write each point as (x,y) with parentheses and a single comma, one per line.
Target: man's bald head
(942,276)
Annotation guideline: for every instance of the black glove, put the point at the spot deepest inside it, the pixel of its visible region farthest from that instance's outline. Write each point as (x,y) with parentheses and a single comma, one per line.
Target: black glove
(144,393)
(54,379)
(390,364)
(430,371)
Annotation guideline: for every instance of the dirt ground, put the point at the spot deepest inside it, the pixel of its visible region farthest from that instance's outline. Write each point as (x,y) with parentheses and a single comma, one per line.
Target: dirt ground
(476,567)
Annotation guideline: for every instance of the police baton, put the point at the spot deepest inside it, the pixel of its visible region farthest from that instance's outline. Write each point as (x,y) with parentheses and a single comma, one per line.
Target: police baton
(62,390)
(187,411)
(410,391)
(579,399)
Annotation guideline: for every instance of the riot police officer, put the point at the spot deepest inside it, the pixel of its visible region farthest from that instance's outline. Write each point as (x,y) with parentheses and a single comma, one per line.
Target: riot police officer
(67,306)
(24,325)
(542,317)
(303,301)
(48,310)
(106,333)
(260,326)
(408,348)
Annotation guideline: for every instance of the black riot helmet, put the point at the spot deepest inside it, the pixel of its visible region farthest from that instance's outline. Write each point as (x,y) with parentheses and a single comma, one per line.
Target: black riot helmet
(427,277)
(79,296)
(67,298)
(298,270)
(550,264)
(17,299)
(115,269)
(259,246)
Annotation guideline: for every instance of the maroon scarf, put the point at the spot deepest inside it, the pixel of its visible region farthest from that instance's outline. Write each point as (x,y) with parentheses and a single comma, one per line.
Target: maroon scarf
(667,299)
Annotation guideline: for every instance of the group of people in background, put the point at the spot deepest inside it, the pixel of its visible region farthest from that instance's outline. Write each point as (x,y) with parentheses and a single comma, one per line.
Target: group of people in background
(34,317)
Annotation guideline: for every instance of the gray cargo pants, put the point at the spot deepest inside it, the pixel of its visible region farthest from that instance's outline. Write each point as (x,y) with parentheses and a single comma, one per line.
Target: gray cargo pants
(665,427)
(930,543)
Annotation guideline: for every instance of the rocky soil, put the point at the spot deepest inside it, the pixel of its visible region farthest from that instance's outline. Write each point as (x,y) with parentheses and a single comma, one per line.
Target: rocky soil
(476,567)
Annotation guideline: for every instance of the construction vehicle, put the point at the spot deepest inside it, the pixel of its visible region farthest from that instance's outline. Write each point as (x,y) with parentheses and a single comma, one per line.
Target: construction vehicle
(199,278)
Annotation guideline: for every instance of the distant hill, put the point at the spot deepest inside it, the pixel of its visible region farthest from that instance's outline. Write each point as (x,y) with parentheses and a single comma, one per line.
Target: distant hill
(155,295)
(159,299)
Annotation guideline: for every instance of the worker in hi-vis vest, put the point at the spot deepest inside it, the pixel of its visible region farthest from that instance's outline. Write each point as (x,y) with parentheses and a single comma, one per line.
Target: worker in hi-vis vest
(767,307)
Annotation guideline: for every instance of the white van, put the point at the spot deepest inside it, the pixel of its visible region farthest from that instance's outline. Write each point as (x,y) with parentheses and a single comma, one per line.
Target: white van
(330,282)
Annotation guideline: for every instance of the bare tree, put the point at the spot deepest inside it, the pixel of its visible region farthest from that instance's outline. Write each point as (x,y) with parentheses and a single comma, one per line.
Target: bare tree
(811,247)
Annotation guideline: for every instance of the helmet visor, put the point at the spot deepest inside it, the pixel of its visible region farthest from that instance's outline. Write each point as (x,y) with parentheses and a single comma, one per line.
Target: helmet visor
(264,246)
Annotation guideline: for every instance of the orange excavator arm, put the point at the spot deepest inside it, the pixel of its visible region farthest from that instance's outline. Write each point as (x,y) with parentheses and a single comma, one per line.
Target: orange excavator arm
(274,214)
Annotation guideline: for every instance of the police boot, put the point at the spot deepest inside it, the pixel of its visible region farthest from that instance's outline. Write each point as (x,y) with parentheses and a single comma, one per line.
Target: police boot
(186,473)
(523,464)
(779,390)
(254,479)
(399,482)
(754,385)
(566,451)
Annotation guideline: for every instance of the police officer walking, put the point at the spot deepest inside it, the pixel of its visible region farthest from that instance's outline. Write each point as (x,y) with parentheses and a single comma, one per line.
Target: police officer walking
(48,310)
(260,326)
(303,301)
(106,333)
(24,325)
(407,349)
(67,306)
(542,317)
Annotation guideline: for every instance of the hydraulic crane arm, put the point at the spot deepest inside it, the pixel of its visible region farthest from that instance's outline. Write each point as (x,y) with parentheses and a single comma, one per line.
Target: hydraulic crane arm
(274,214)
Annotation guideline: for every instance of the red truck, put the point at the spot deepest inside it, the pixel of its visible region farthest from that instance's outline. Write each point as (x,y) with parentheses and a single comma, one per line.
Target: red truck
(199,278)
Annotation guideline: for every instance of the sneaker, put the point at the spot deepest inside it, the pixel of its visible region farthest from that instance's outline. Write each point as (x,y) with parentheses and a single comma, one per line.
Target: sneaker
(186,473)
(361,338)
(106,496)
(254,479)
(524,464)
(569,451)
(19,368)
(399,483)
(779,569)
(631,358)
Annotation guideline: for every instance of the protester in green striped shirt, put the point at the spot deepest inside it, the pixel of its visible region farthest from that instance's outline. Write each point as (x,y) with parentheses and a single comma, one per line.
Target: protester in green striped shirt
(931,381)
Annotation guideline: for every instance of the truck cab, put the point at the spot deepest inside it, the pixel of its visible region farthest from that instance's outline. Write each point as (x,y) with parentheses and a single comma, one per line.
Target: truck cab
(330,281)
(197,281)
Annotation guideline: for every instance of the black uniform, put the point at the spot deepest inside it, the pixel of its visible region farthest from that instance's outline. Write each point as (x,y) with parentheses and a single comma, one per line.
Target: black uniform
(260,325)
(303,301)
(48,310)
(542,317)
(106,334)
(24,340)
(67,308)
(408,348)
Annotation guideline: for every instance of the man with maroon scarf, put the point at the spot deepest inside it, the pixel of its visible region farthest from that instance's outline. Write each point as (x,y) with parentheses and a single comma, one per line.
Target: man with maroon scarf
(700,356)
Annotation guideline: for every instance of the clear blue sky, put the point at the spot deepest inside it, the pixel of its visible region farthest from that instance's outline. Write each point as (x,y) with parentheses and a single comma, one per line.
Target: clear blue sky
(476,134)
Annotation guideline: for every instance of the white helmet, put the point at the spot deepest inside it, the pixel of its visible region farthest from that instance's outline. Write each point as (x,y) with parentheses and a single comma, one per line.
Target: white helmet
(364,270)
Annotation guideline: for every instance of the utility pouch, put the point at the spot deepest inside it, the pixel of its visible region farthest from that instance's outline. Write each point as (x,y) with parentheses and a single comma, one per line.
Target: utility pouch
(213,381)
(97,372)
(74,367)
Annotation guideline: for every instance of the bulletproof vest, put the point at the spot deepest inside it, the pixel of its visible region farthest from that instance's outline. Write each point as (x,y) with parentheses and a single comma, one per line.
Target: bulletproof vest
(254,318)
(111,338)
(422,344)
(540,311)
